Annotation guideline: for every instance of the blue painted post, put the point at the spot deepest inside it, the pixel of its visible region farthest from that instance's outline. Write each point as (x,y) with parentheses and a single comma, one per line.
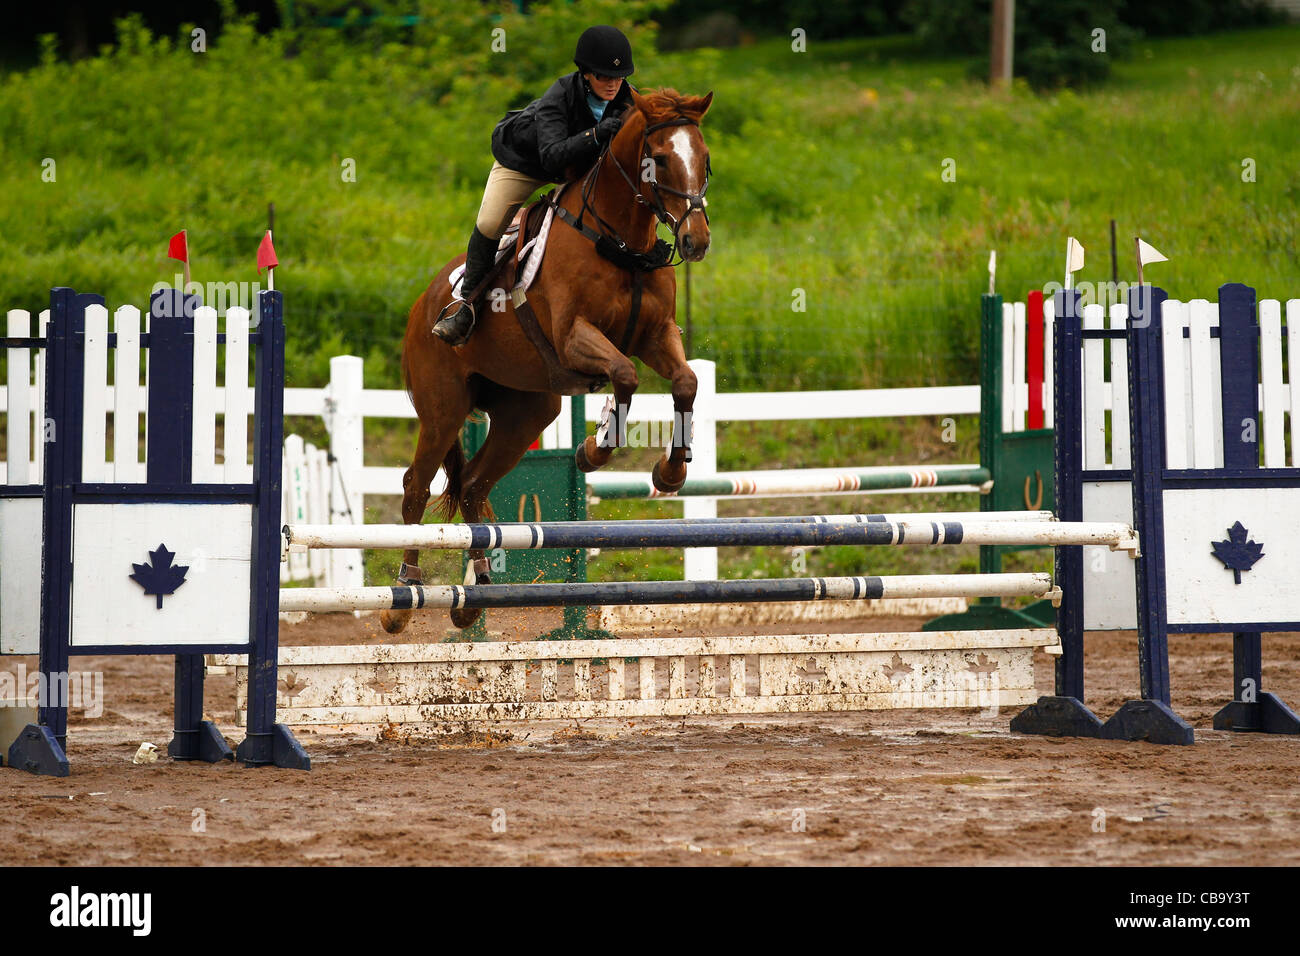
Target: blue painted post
(1150,718)
(265,741)
(1068,392)
(1239,362)
(42,747)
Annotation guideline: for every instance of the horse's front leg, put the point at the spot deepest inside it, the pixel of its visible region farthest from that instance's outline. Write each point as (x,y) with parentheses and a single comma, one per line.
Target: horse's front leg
(586,349)
(663,352)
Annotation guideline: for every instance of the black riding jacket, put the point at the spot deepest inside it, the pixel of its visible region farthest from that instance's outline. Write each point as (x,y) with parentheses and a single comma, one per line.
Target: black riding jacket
(554,133)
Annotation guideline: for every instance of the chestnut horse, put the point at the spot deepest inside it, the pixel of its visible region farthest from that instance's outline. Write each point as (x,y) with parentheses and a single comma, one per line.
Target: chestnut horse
(655,170)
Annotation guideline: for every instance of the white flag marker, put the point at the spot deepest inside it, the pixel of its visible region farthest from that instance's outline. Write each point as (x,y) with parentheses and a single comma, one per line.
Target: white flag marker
(993,268)
(1073,260)
(1147,253)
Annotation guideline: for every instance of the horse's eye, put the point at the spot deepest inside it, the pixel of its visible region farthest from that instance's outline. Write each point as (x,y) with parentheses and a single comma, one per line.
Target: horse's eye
(661,159)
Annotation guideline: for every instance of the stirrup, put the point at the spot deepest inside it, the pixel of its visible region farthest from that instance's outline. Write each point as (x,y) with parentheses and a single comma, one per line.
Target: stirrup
(449,312)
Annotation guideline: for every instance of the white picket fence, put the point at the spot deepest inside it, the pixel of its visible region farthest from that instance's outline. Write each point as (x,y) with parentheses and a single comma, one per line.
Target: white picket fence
(344,405)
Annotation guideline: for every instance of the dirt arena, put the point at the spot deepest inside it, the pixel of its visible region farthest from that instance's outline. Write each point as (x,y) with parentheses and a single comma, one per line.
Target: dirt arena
(900,787)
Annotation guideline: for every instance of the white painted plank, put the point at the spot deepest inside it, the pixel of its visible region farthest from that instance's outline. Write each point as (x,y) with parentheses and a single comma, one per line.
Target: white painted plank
(1293,365)
(1199,588)
(676,678)
(1216,390)
(203,452)
(1178,433)
(238,398)
(582,680)
(550,680)
(646,678)
(708,678)
(442,683)
(296,490)
(1272,425)
(126,396)
(94,465)
(617,689)
(1200,378)
(210,606)
(1049,364)
(736,675)
(18,424)
(1109,581)
(453,716)
(1008,362)
(1020,394)
(38,404)
(1094,391)
(658,648)
(1119,417)
(316,469)
(20,575)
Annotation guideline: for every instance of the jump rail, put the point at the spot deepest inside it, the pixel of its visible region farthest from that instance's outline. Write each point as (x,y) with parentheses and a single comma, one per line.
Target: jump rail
(1037,585)
(651,534)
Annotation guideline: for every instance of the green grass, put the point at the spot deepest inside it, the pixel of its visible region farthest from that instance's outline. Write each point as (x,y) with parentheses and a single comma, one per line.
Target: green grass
(828,180)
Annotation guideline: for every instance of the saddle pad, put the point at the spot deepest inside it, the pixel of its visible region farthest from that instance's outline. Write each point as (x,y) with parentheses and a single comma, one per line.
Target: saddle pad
(530,259)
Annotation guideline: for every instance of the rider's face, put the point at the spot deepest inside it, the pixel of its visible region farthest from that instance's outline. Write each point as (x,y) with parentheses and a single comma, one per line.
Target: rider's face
(606,87)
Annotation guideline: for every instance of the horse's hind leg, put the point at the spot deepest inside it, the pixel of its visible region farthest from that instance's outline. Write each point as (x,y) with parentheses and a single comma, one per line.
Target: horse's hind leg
(517,418)
(663,352)
(587,350)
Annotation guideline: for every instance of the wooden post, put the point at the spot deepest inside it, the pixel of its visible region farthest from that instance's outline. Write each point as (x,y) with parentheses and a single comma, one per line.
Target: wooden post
(1114,262)
(1003,42)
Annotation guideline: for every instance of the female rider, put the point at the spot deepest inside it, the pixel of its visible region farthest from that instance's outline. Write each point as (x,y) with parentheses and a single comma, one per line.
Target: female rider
(538,145)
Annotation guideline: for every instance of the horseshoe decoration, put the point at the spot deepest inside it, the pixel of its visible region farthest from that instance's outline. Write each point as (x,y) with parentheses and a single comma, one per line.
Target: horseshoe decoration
(537,506)
(1037,502)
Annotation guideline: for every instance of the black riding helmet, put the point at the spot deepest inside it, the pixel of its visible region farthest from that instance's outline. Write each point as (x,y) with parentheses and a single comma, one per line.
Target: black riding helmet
(604,50)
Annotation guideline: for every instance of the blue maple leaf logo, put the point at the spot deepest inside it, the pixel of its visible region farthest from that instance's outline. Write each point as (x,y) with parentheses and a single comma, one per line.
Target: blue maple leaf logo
(159,577)
(1237,553)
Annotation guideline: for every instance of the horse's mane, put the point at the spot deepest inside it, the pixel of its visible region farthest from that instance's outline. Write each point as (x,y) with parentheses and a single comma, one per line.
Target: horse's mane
(664,103)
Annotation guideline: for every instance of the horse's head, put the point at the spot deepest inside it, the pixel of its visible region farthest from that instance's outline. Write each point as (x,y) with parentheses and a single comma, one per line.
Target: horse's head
(674,163)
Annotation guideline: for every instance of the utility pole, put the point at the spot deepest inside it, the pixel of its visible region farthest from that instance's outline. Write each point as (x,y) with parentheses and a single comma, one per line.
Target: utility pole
(1003,42)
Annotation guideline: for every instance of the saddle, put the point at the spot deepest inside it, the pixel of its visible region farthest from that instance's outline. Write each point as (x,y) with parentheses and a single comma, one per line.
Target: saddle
(526,236)
(521,236)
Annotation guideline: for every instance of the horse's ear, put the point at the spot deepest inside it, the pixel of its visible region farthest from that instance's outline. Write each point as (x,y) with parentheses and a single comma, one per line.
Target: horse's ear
(697,106)
(640,101)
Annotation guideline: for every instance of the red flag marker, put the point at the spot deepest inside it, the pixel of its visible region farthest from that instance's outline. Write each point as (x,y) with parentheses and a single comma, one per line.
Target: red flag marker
(179,248)
(266,260)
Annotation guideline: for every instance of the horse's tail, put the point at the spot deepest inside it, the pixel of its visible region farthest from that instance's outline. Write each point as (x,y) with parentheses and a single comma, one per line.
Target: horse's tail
(453,464)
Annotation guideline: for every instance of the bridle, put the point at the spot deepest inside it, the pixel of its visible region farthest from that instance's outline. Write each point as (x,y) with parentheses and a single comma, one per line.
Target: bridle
(694,201)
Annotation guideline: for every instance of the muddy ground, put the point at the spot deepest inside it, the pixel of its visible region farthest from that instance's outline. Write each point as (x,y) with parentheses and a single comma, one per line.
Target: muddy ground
(897,787)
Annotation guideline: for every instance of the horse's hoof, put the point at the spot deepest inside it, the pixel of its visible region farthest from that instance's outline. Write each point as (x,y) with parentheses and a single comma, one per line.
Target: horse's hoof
(589,461)
(394,621)
(668,477)
(463,617)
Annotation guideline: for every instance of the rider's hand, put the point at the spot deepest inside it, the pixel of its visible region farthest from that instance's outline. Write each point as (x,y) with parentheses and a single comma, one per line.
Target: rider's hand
(608,127)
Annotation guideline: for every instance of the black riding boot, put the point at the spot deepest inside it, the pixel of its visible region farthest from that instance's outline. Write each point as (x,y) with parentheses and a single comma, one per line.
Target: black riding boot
(455,327)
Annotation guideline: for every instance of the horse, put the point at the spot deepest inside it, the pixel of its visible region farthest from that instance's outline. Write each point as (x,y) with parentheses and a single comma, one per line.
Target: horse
(654,170)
